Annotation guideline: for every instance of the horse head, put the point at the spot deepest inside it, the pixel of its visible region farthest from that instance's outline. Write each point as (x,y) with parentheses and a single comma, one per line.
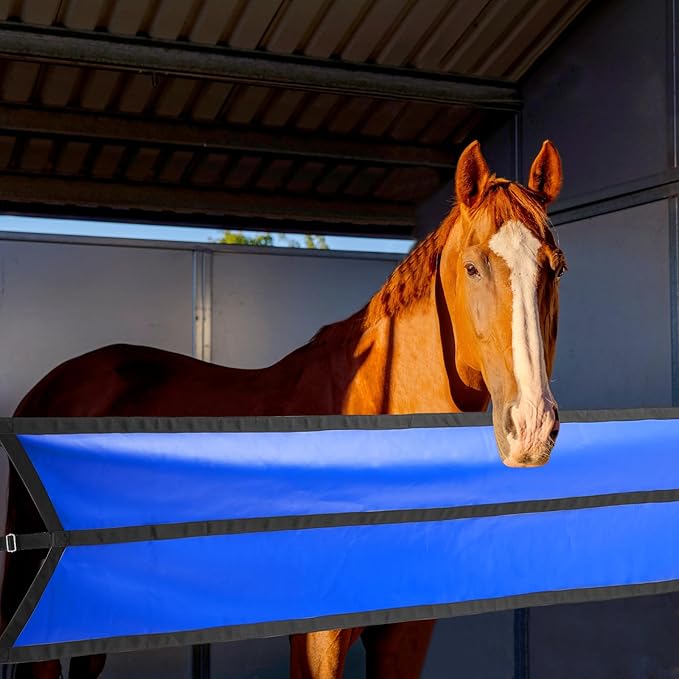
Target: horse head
(501,267)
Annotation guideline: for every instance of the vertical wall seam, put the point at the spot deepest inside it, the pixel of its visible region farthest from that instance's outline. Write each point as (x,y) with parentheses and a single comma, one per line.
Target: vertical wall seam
(197,305)
(201,349)
(673,203)
(521,643)
(672,49)
(517,147)
(674,295)
(207,305)
(200,662)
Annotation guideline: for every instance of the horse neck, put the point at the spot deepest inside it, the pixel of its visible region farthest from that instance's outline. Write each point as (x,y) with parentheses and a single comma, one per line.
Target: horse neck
(397,355)
(404,360)
(393,365)
(403,368)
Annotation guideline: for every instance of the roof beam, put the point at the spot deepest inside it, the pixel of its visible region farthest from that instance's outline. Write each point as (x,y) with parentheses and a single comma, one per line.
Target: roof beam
(253,67)
(23,193)
(218,138)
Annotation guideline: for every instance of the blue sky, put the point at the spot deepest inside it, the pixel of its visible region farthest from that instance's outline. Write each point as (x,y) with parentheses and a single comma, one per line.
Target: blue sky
(177,233)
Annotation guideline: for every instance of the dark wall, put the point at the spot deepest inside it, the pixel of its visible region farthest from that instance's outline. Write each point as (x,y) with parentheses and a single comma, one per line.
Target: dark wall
(603,95)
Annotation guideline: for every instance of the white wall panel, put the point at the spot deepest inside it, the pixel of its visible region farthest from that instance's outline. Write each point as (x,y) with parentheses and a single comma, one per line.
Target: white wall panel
(61,300)
(265,305)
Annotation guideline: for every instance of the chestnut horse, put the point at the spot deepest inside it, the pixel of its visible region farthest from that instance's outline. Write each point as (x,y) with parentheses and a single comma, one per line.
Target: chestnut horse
(469,317)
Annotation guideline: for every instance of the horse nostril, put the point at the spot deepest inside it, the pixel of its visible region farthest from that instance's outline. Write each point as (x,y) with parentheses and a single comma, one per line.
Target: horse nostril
(555,429)
(510,427)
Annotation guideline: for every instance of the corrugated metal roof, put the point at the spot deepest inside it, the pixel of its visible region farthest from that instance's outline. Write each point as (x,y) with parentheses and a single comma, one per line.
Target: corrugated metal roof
(497,39)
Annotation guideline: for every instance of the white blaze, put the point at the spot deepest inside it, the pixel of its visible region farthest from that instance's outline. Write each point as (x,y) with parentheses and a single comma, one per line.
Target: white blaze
(518,247)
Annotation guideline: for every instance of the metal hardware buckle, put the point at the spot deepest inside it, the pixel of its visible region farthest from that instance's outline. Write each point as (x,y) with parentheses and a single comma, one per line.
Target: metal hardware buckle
(11,543)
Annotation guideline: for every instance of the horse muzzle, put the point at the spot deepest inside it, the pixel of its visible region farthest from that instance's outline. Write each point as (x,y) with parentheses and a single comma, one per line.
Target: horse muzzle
(526,432)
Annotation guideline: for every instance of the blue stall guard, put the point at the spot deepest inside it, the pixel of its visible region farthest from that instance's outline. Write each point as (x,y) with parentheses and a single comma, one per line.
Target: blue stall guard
(168,537)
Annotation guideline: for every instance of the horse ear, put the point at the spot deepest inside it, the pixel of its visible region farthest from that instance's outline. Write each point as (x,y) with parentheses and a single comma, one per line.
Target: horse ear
(545,173)
(471,175)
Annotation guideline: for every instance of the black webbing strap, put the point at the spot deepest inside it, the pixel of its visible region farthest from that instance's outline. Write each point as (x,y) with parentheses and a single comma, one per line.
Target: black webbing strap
(19,543)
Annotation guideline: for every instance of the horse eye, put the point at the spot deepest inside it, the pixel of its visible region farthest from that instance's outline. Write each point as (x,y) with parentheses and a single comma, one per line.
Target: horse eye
(471,270)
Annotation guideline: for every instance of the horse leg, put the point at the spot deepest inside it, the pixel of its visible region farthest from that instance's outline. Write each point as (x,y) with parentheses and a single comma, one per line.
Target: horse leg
(397,651)
(320,655)
(86,666)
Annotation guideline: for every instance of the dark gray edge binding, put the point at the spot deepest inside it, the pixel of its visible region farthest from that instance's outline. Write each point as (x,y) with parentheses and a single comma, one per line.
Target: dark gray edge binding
(211,528)
(381,617)
(29,477)
(304,522)
(619,415)
(95,425)
(29,602)
(194,529)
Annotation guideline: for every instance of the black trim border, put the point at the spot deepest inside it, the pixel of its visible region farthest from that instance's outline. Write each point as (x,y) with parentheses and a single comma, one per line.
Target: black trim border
(55,537)
(211,528)
(364,619)
(29,602)
(102,425)
(30,478)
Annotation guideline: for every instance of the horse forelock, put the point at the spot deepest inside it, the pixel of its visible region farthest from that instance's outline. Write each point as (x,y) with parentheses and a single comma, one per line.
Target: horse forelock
(504,201)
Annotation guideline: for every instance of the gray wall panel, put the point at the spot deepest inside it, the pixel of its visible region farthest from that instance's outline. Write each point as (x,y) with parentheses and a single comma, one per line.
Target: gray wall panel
(625,639)
(432,212)
(473,647)
(614,348)
(498,150)
(601,95)
(168,663)
(266,305)
(269,659)
(60,300)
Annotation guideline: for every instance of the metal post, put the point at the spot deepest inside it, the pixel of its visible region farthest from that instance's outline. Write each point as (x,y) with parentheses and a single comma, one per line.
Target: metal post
(521,643)
(674,294)
(202,335)
(200,661)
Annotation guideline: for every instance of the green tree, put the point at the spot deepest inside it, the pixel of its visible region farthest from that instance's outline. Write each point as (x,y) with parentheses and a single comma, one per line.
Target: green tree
(315,242)
(266,239)
(236,238)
